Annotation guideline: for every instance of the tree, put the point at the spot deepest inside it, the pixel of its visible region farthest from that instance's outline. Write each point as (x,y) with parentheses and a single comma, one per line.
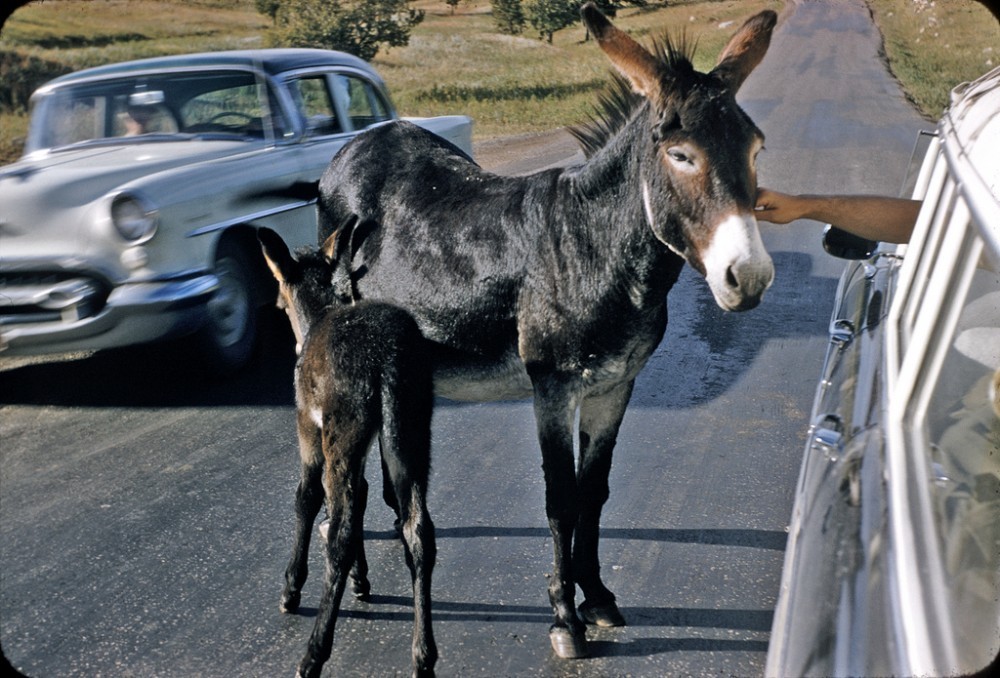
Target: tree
(508,15)
(549,16)
(356,26)
(268,7)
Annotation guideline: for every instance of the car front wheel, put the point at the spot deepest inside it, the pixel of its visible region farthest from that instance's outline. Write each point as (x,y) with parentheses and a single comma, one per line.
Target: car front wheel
(229,335)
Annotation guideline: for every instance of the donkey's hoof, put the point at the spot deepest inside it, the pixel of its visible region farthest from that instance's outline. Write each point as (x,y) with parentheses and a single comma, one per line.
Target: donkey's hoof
(566,645)
(290,602)
(602,614)
(324,530)
(309,669)
(362,589)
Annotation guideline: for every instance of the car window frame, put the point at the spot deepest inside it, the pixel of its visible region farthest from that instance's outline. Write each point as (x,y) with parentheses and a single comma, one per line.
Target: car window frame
(372,89)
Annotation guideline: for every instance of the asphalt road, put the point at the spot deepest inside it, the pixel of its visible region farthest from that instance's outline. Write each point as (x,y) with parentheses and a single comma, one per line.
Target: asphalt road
(146,512)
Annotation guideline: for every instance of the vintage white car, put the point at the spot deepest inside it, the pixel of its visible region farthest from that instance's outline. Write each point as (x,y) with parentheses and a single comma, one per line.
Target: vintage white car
(131,216)
(893,560)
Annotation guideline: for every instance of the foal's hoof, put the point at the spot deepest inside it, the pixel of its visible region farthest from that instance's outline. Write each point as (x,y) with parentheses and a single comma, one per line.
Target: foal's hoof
(362,589)
(602,614)
(290,602)
(324,530)
(566,645)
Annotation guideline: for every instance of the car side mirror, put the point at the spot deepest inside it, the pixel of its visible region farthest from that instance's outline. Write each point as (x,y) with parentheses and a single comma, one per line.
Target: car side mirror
(844,245)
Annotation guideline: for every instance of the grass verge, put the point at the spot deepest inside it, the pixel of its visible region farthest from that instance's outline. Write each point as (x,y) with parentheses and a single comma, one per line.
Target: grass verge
(933,46)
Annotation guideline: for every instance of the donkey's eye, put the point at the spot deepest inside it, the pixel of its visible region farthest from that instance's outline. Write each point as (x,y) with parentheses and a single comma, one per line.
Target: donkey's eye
(679,156)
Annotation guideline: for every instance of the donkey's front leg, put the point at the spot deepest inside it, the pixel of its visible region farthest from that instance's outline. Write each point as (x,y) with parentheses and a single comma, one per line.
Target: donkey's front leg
(554,410)
(600,419)
(308,501)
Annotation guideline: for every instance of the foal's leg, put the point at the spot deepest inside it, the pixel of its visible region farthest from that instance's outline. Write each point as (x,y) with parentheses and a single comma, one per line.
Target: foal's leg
(388,491)
(341,480)
(554,414)
(405,440)
(361,587)
(600,419)
(308,500)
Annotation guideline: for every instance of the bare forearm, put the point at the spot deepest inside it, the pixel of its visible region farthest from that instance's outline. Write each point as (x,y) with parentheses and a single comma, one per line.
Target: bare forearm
(871,217)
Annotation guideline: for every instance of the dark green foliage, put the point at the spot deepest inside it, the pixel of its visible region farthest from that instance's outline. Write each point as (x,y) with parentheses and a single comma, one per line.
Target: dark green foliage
(360,27)
(268,7)
(508,15)
(21,74)
(549,16)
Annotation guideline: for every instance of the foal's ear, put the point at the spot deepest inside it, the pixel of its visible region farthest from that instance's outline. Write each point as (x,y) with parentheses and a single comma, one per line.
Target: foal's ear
(340,240)
(329,247)
(629,57)
(745,49)
(276,254)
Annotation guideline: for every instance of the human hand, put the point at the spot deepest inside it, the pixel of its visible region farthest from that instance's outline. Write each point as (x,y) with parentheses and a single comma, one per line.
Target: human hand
(777,208)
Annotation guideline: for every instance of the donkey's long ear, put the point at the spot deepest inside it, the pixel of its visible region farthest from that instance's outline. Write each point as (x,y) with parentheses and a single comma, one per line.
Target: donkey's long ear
(276,254)
(629,57)
(745,49)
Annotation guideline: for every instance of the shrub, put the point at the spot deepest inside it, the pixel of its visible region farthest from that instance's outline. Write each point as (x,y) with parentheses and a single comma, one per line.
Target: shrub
(22,74)
(508,15)
(549,16)
(359,27)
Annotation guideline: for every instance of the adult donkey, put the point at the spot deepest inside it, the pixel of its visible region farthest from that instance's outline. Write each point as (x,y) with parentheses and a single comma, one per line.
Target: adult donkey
(553,285)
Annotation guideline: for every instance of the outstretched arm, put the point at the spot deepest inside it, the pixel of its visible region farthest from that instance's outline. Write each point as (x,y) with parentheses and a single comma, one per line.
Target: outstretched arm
(871,217)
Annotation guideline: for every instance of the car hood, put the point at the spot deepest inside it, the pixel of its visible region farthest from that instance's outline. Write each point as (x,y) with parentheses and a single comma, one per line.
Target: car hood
(51,204)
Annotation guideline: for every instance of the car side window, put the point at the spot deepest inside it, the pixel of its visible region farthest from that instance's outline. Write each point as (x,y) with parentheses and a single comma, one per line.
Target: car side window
(312,97)
(364,107)
(235,109)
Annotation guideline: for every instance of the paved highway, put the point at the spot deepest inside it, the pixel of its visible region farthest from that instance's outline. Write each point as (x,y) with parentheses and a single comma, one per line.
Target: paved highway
(146,513)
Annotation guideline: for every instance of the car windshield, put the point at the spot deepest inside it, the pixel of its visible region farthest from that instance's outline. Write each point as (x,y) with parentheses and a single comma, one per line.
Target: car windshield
(232,104)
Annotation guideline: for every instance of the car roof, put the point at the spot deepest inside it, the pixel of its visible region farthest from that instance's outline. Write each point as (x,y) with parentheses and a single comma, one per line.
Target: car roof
(271,61)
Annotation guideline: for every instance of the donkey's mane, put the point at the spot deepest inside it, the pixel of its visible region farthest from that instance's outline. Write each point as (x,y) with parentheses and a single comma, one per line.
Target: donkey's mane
(617,104)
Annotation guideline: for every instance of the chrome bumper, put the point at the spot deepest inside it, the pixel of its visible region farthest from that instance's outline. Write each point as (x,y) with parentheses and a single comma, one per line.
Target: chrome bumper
(133,314)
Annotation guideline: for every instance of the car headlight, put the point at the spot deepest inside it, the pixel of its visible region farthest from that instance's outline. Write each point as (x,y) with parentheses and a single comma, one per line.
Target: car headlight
(134,216)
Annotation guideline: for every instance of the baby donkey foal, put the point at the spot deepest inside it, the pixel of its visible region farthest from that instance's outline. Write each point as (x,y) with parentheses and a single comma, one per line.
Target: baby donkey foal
(361,372)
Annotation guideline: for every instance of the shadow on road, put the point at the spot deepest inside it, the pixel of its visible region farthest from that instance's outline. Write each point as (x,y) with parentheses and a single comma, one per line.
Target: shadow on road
(446,611)
(158,375)
(762,539)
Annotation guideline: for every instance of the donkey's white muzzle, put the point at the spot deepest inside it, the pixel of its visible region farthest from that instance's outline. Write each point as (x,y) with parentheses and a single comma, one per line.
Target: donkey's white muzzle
(737,267)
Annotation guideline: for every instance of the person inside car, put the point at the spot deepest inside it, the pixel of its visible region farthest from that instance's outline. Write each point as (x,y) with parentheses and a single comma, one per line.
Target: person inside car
(137,120)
